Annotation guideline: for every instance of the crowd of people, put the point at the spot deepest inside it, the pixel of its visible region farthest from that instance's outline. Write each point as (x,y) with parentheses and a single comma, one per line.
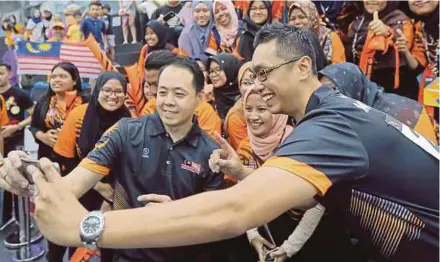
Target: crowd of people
(251,131)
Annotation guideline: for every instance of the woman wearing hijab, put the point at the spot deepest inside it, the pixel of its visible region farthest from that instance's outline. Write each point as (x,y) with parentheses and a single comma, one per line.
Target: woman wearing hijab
(235,124)
(303,14)
(258,15)
(223,72)
(63,95)
(156,38)
(36,26)
(85,126)
(350,81)
(225,34)
(372,37)
(195,37)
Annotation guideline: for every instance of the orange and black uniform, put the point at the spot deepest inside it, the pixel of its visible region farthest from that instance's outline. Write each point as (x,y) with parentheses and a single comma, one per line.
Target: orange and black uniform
(372,169)
(143,160)
(48,114)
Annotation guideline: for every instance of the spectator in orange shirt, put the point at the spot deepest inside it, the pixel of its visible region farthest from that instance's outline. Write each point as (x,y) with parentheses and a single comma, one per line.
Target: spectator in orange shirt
(303,14)
(225,34)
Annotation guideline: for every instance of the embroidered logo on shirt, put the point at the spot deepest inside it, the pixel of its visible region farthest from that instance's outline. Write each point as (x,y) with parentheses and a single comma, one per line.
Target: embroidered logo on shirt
(145,152)
(191,167)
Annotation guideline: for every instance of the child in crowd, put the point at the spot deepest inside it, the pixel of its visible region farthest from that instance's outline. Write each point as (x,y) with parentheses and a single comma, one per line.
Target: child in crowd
(74,33)
(95,26)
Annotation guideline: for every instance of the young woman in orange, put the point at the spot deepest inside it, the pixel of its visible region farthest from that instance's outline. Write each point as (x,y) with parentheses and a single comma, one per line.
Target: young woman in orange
(64,95)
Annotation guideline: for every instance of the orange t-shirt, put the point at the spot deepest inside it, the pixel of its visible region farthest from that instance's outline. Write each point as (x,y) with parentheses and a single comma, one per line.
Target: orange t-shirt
(208,119)
(67,142)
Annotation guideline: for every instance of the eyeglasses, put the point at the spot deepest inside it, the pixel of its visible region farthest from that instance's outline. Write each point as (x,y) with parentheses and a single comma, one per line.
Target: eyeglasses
(262,74)
(261,9)
(108,92)
(215,71)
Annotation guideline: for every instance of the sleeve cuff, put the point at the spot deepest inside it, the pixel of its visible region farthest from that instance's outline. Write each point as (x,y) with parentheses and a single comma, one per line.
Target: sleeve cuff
(306,172)
(94,167)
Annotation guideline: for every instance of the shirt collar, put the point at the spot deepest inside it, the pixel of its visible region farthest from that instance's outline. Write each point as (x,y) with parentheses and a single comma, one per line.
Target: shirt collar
(317,97)
(157,129)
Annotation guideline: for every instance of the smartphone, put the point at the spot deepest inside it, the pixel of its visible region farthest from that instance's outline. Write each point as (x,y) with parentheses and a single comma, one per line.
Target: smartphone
(267,257)
(27,162)
(169,16)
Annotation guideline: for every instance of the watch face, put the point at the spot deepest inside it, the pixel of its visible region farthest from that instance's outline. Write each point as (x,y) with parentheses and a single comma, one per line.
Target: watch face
(91,226)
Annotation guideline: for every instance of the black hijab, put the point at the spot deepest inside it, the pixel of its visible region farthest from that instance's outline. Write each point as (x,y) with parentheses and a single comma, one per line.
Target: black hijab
(162,33)
(227,95)
(251,27)
(97,120)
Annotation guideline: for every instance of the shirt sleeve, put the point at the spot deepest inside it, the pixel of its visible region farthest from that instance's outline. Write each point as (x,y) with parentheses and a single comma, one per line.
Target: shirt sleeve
(107,151)
(323,150)
(208,119)
(4,119)
(236,130)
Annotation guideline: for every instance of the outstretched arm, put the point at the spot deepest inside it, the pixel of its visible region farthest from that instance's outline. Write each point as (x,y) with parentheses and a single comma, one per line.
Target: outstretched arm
(205,217)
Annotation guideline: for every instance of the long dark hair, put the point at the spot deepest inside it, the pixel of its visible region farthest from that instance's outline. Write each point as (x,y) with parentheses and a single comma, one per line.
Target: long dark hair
(74,73)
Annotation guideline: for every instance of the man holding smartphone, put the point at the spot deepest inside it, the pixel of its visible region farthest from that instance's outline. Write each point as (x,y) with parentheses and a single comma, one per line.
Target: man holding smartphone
(167,14)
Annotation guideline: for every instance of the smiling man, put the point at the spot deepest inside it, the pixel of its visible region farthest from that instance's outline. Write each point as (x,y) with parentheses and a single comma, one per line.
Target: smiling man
(387,190)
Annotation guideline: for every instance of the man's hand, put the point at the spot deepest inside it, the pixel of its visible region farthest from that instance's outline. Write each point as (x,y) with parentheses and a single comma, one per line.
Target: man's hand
(160,19)
(9,130)
(152,199)
(279,255)
(401,42)
(12,177)
(226,160)
(377,26)
(57,212)
(262,246)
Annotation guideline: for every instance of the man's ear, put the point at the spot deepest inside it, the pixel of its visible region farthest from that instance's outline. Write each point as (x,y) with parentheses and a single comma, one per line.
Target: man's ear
(305,66)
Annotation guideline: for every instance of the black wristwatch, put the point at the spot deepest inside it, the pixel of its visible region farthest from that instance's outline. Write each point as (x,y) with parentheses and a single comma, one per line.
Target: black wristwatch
(91,228)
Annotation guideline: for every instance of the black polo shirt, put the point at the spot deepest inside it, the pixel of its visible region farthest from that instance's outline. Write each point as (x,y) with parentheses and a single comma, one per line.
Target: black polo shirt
(144,160)
(368,166)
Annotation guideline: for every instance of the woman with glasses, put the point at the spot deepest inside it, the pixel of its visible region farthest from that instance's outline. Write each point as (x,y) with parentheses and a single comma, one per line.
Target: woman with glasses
(303,14)
(223,72)
(85,126)
(258,14)
(63,95)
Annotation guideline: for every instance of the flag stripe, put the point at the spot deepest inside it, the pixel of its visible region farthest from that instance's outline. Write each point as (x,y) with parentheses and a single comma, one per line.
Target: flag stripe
(78,54)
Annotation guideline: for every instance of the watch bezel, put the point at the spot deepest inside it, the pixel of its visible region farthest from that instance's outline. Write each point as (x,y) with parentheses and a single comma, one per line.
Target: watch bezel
(94,236)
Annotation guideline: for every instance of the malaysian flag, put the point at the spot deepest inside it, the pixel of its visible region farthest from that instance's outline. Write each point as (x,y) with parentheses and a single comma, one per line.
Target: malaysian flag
(191,167)
(39,58)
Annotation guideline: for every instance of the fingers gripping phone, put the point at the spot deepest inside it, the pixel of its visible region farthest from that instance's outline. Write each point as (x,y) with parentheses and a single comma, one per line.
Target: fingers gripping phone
(28,162)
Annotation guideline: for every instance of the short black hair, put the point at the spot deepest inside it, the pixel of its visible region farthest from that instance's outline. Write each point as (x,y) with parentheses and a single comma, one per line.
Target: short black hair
(107,6)
(290,41)
(98,4)
(158,59)
(192,67)
(8,67)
